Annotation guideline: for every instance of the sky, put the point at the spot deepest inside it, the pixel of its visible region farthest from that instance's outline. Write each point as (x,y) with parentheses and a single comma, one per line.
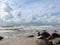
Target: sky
(29,12)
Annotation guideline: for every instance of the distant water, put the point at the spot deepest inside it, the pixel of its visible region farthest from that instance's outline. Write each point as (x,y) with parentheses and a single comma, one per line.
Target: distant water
(20,33)
(15,33)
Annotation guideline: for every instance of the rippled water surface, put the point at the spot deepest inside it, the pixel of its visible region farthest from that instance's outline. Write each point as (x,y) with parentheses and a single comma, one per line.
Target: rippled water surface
(19,33)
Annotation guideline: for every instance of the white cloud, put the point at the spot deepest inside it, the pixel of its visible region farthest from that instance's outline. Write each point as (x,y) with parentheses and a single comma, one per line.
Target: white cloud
(35,12)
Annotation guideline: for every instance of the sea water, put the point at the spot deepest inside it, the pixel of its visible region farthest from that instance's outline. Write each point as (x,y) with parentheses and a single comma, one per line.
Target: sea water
(20,33)
(15,33)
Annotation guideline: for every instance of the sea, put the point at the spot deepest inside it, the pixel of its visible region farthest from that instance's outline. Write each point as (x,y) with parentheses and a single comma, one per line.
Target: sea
(12,33)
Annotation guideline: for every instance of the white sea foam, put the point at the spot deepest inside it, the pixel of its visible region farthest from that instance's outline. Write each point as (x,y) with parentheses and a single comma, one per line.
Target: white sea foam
(25,31)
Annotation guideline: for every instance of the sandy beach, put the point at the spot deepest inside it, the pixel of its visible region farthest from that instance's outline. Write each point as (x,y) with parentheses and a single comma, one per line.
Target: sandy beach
(21,41)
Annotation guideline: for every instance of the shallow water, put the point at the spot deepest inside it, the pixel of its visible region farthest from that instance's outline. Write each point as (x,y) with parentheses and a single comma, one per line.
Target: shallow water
(19,33)
(15,34)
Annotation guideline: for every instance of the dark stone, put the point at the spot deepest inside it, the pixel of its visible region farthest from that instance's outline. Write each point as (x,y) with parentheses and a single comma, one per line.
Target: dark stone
(45,34)
(1,37)
(30,36)
(53,36)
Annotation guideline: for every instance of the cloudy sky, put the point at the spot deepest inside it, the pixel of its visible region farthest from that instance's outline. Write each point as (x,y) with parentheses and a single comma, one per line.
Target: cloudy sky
(29,12)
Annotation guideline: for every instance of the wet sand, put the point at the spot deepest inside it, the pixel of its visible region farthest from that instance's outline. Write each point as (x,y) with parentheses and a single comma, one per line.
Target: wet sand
(21,41)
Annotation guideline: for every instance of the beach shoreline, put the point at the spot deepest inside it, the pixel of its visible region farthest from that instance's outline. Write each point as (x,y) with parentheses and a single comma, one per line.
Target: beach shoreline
(21,41)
